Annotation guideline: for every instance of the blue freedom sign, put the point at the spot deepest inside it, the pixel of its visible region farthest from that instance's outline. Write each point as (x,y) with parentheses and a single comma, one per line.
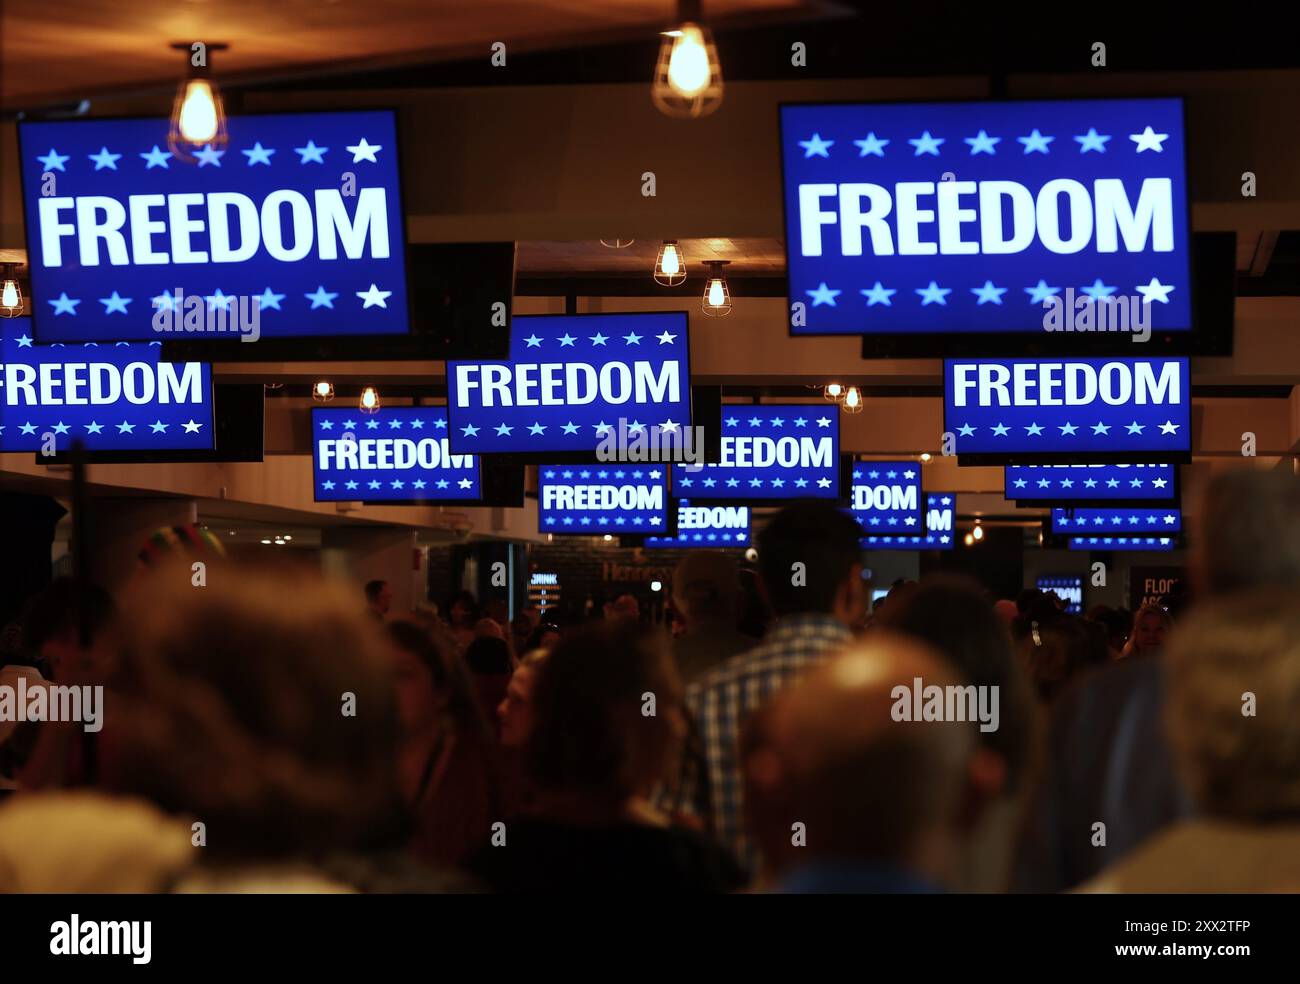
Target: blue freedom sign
(1122,543)
(1066,586)
(885,496)
(1062,483)
(396,454)
(1068,406)
(705,526)
(300,213)
(571,380)
(940,513)
(1121,521)
(116,397)
(587,499)
(976,216)
(769,452)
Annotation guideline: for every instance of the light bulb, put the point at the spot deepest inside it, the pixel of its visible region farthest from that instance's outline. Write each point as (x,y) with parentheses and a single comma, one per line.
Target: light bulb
(833,391)
(977,532)
(672,262)
(323,391)
(688,78)
(656,586)
(969,540)
(369,400)
(716,295)
(11,299)
(852,398)
(925,456)
(198,118)
(608,538)
(688,65)
(670,265)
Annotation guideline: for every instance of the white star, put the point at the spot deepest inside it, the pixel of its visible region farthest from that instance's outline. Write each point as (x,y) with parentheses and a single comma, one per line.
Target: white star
(205,155)
(125,428)
(1068,429)
(258,154)
(1169,427)
(63,304)
(191,427)
(536,429)
(934,294)
(532,341)
(218,299)
(1100,428)
(321,298)
(94,428)
(598,339)
(268,299)
(1034,429)
(989,293)
(1148,139)
(1000,430)
(469,430)
(24,341)
(1039,294)
(823,421)
(374,297)
(1098,289)
(666,338)
(115,303)
(1136,428)
(878,294)
(504,430)
(632,338)
(364,151)
(1154,291)
(567,340)
(158,427)
(816,147)
(54,161)
(570,428)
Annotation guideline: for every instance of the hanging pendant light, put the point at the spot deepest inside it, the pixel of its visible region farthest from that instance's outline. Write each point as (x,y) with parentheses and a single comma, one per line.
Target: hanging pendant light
(852,402)
(198,122)
(323,391)
(833,392)
(670,264)
(688,77)
(617,243)
(369,400)
(717,295)
(11,295)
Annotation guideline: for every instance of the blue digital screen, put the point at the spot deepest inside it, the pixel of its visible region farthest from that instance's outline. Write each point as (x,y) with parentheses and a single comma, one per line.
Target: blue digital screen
(886,496)
(968,217)
(769,452)
(578,383)
(940,512)
(707,525)
(120,231)
(1061,483)
(1122,543)
(587,499)
(117,397)
(1075,406)
(1066,586)
(1123,521)
(396,454)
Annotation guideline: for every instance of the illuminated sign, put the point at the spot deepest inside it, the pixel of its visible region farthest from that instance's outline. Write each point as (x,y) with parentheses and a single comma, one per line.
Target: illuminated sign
(1123,521)
(116,397)
(301,213)
(583,499)
(571,380)
(396,454)
(769,452)
(1074,406)
(1062,483)
(975,216)
(885,496)
(1150,585)
(940,513)
(1068,587)
(1121,543)
(706,525)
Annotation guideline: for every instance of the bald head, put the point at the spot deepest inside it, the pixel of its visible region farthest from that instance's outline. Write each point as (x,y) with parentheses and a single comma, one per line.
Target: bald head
(830,754)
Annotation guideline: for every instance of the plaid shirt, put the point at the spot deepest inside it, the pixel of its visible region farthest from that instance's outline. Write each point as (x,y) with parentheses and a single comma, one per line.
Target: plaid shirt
(710,783)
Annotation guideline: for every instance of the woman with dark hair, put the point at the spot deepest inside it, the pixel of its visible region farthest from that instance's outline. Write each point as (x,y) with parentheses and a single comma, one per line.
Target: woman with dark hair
(447,763)
(607,716)
(462,617)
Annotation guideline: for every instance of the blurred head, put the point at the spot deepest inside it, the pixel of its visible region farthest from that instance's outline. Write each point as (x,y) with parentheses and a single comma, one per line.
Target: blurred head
(1054,651)
(1233,671)
(824,539)
(706,587)
(488,628)
(624,606)
(1006,611)
(1249,532)
(515,712)
(831,753)
(546,636)
(591,734)
(1115,622)
(379,596)
(1150,626)
(434,687)
(54,621)
(261,704)
(954,617)
(489,655)
(462,609)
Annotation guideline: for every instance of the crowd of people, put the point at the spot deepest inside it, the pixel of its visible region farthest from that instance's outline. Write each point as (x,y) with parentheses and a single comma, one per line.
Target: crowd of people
(262,733)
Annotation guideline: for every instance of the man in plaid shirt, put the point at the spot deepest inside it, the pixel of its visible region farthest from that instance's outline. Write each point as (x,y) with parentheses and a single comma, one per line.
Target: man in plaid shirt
(815,604)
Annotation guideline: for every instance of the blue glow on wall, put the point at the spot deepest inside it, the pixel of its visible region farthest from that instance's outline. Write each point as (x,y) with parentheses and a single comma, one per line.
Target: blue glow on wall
(396,454)
(967,217)
(571,380)
(705,525)
(1117,521)
(769,452)
(587,499)
(127,226)
(116,397)
(1075,406)
(1061,483)
(940,516)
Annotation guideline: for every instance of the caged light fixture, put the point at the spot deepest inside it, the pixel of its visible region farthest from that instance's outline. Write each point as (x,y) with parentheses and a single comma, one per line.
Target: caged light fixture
(323,391)
(833,392)
(717,295)
(11,295)
(198,123)
(369,400)
(670,265)
(688,77)
(852,402)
